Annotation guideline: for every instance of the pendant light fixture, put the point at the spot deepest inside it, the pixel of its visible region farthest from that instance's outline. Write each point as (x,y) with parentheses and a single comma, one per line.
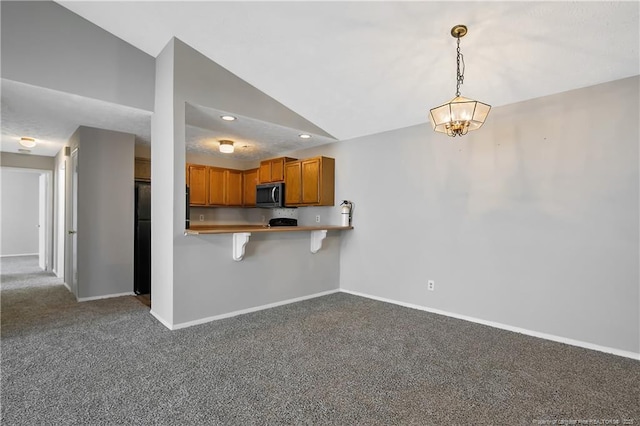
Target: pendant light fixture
(226,146)
(460,114)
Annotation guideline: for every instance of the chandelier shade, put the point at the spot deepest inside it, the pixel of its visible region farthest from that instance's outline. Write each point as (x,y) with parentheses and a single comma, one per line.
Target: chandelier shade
(458,116)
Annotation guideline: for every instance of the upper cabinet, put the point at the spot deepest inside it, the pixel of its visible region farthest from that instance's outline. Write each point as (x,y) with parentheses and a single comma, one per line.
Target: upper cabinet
(273,170)
(214,186)
(249,182)
(142,169)
(310,182)
(233,188)
(197,180)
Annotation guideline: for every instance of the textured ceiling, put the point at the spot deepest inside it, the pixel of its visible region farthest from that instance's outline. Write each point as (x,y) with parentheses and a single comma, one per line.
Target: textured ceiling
(51,117)
(253,139)
(357,68)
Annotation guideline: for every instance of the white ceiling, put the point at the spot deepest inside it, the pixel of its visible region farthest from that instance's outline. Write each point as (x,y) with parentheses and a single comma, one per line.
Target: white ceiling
(253,139)
(357,68)
(51,117)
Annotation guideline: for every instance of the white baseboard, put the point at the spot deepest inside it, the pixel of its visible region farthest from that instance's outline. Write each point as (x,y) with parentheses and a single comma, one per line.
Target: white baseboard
(245,311)
(572,342)
(162,320)
(106,296)
(67,286)
(18,255)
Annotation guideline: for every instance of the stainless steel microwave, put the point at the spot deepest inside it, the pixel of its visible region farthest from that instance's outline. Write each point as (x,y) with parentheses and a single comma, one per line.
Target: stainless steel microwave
(270,195)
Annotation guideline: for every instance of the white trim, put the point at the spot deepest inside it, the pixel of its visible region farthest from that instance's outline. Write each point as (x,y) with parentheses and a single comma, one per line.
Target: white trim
(67,286)
(106,296)
(572,342)
(162,320)
(18,255)
(246,311)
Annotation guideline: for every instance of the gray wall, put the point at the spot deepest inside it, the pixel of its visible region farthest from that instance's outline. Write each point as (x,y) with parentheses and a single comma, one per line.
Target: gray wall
(105,211)
(26,161)
(530,222)
(77,56)
(19,212)
(196,277)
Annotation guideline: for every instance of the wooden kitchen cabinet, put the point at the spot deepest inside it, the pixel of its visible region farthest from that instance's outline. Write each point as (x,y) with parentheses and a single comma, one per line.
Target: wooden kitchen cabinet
(216,186)
(197,180)
(310,182)
(233,189)
(142,169)
(273,170)
(293,183)
(249,182)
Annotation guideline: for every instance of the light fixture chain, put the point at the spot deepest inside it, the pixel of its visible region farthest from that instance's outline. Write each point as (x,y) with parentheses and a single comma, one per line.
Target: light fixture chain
(460,75)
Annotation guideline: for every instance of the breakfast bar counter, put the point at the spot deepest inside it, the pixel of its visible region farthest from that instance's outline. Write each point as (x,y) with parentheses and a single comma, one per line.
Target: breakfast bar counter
(232,229)
(241,234)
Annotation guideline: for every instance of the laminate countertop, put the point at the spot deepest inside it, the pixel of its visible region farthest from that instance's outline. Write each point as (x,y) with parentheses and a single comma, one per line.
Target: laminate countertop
(233,229)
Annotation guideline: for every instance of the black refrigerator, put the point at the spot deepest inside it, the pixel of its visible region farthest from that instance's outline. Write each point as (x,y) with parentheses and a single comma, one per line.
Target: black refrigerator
(142,240)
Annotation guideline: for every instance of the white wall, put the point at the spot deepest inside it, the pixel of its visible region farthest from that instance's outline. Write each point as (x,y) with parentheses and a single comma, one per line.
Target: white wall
(530,222)
(19,212)
(46,45)
(105,212)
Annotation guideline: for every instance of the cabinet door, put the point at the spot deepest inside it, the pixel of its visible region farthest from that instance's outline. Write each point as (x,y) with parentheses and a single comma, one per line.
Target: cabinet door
(292,183)
(311,181)
(264,175)
(197,178)
(216,186)
(233,188)
(250,180)
(277,170)
(142,170)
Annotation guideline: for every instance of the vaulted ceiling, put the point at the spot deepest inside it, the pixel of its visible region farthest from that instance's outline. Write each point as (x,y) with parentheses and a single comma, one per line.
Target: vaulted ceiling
(358,68)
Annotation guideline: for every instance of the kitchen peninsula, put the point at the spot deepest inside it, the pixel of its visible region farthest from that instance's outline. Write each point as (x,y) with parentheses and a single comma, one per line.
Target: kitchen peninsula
(241,234)
(232,229)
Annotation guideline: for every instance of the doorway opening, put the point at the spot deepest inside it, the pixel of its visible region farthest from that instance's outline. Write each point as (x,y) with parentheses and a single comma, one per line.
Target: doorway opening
(27,214)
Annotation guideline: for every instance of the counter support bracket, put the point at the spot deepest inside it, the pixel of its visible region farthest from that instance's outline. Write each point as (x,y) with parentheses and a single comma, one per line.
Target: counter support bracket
(316,239)
(240,240)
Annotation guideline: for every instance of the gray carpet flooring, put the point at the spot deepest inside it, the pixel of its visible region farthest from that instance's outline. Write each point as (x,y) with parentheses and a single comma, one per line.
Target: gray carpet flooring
(338,359)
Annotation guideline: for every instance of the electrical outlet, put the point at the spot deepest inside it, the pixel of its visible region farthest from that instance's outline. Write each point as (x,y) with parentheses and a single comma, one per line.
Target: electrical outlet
(317,218)
(201,218)
(431,285)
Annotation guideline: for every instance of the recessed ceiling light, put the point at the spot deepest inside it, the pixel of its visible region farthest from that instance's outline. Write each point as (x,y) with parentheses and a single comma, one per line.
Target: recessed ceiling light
(27,142)
(226,146)
(304,136)
(228,117)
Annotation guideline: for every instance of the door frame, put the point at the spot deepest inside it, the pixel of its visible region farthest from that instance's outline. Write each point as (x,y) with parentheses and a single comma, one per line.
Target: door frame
(71,248)
(45,206)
